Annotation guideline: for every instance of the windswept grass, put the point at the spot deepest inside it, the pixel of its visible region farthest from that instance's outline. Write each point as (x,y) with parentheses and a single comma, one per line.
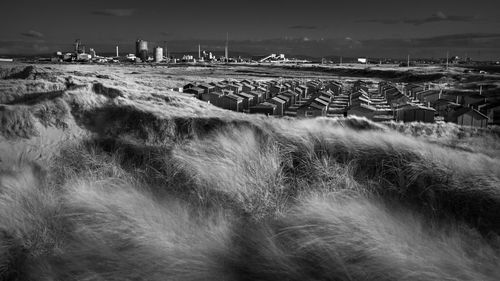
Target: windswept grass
(164,187)
(16,122)
(238,164)
(102,230)
(477,140)
(135,236)
(345,238)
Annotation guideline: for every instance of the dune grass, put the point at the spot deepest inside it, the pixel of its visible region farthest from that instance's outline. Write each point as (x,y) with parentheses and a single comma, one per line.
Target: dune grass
(168,188)
(17,122)
(353,238)
(100,213)
(312,202)
(478,140)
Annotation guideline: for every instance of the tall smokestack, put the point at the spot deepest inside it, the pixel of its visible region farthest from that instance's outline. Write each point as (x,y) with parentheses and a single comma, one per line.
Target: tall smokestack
(117,53)
(77,46)
(199,51)
(447,55)
(227,47)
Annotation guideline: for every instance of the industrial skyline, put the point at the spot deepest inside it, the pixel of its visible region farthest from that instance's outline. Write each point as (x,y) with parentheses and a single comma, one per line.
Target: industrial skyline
(384,28)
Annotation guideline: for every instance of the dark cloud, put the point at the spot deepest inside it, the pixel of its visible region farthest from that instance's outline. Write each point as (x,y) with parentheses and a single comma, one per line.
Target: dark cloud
(115,12)
(306,27)
(452,41)
(462,36)
(437,17)
(24,47)
(33,34)
(467,40)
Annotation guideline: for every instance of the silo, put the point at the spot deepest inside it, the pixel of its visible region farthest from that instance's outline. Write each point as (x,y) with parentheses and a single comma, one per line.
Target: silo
(141,48)
(158,54)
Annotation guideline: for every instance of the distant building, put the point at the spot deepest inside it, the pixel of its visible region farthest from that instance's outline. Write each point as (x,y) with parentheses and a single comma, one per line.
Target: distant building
(83,57)
(493,112)
(189,85)
(131,57)
(429,96)
(287,100)
(247,87)
(394,97)
(231,102)
(300,93)
(235,88)
(274,58)
(473,99)
(335,87)
(92,53)
(275,90)
(312,109)
(207,88)
(465,116)
(362,110)
(196,91)
(293,96)
(213,97)
(248,100)
(445,108)
(141,50)
(362,60)
(264,108)
(415,113)
(360,85)
(304,91)
(281,104)
(259,96)
(158,54)
(413,89)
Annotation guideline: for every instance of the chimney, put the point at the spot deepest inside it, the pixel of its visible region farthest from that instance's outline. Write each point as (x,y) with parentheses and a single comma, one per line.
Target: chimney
(227,47)
(447,55)
(117,53)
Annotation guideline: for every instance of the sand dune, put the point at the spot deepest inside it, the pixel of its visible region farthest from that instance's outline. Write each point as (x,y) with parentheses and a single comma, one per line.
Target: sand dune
(108,175)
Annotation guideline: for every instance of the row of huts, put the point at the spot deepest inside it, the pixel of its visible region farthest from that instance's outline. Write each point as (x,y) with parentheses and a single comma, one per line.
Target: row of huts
(462,108)
(279,98)
(313,98)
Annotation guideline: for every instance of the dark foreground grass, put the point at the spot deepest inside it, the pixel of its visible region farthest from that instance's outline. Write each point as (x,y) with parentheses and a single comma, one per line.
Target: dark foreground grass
(255,200)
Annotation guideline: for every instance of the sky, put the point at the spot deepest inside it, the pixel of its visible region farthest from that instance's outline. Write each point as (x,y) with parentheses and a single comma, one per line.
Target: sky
(382,28)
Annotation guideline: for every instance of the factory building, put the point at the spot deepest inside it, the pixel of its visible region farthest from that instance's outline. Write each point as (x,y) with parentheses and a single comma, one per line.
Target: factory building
(158,54)
(141,49)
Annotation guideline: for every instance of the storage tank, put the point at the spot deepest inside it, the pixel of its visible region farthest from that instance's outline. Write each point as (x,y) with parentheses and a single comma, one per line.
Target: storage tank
(158,54)
(141,49)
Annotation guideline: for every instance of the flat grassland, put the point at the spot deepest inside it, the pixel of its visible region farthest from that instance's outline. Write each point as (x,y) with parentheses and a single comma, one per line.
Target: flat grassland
(105,174)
